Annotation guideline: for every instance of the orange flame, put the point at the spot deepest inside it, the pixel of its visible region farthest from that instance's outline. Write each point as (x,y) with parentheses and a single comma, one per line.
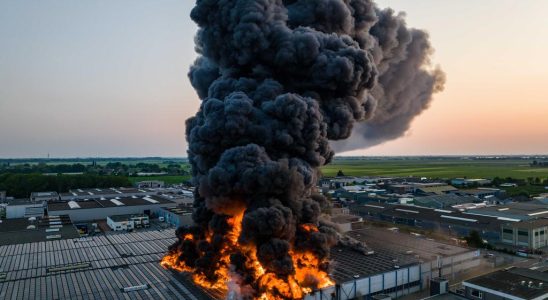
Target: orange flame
(307,277)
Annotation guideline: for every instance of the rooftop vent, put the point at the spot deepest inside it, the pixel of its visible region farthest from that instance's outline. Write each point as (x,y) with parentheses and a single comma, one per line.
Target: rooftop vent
(135,288)
(73,205)
(115,201)
(150,200)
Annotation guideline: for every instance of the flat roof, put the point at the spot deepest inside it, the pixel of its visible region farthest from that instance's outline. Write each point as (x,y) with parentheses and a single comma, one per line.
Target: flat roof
(342,218)
(179,210)
(109,202)
(519,282)
(21,201)
(44,194)
(118,218)
(97,267)
(97,192)
(446,216)
(522,210)
(446,199)
(436,188)
(393,241)
(20,231)
(350,264)
(446,296)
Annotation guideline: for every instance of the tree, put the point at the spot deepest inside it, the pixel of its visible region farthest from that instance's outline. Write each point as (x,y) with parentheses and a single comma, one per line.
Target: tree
(474,239)
(340,173)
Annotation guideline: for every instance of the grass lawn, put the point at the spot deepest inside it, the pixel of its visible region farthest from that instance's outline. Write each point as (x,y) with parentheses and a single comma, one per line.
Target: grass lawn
(435,168)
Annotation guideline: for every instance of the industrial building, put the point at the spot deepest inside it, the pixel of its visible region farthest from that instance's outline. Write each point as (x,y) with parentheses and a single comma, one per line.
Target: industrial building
(36,229)
(97,209)
(128,222)
(44,196)
(125,266)
(347,222)
(448,221)
(24,208)
(176,216)
(437,189)
(443,201)
(470,181)
(514,284)
(401,264)
(480,193)
(113,266)
(530,234)
(97,193)
(518,211)
(149,184)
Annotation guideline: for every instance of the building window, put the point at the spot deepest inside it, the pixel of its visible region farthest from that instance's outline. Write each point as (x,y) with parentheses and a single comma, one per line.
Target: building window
(523,233)
(510,231)
(477,294)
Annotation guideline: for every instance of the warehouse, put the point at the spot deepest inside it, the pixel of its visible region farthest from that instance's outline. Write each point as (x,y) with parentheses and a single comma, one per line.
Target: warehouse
(518,211)
(401,264)
(97,193)
(443,201)
(114,266)
(531,234)
(449,221)
(44,196)
(128,222)
(514,283)
(176,216)
(36,229)
(24,208)
(98,209)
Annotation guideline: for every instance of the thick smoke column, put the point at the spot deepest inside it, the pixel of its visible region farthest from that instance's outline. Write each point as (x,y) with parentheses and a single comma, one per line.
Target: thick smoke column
(278,80)
(405,84)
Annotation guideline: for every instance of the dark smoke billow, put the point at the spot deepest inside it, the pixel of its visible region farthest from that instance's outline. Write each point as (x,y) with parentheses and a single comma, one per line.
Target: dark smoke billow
(405,84)
(279,80)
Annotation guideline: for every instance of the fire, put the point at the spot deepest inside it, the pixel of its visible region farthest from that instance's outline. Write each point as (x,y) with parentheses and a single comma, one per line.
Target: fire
(308,274)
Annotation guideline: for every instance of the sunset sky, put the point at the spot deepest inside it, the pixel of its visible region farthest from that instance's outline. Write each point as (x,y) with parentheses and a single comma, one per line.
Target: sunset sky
(108,78)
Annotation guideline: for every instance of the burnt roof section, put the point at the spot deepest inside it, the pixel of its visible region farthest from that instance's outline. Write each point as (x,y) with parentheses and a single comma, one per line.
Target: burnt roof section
(519,282)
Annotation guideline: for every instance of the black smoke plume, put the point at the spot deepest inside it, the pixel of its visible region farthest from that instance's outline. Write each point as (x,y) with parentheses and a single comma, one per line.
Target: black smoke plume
(278,80)
(405,84)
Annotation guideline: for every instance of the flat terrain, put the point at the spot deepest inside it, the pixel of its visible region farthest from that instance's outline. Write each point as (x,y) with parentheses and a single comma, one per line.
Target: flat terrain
(435,168)
(167,179)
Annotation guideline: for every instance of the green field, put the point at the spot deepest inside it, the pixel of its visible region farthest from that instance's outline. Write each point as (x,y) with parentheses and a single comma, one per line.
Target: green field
(167,179)
(435,168)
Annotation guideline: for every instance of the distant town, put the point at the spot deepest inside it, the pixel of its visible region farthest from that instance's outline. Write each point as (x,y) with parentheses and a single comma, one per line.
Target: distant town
(100,227)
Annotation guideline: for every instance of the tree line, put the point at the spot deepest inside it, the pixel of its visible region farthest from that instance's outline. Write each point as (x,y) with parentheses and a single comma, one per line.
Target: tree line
(21,185)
